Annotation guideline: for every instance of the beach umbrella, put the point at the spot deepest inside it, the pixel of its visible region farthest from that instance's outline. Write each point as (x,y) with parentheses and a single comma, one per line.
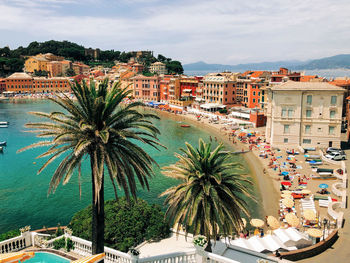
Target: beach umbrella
(323,186)
(292,219)
(286,183)
(273,222)
(287,202)
(257,222)
(314,232)
(305,191)
(287,192)
(242,134)
(309,214)
(267,146)
(15,257)
(90,259)
(285,173)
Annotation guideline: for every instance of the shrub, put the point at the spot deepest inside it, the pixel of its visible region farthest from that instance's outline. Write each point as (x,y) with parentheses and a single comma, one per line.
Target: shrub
(126,225)
(69,244)
(10,234)
(59,243)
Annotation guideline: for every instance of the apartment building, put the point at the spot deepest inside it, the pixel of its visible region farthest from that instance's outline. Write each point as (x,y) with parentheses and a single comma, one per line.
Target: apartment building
(306,114)
(158,68)
(2,85)
(22,83)
(39,62)
(146,88)
(220,88)
(80,68)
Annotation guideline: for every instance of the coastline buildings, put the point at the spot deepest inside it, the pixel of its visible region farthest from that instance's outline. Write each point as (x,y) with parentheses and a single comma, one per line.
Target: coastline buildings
(307,114)
(39,62)
(146,88)
(23,83)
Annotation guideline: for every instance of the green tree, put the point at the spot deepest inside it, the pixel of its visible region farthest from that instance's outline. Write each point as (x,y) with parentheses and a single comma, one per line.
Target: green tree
(174,67)
(70,72)
(97,126)
(137,222)
(211,196)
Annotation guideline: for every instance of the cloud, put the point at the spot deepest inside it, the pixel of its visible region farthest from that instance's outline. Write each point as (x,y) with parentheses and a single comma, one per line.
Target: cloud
(226,31)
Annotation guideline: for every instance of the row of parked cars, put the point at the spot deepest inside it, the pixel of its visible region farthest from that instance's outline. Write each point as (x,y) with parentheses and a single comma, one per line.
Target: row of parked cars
(335,154)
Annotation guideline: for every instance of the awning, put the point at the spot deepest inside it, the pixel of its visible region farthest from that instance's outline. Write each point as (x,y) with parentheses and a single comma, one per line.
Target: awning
(240,115)
(187,90)
(212,106)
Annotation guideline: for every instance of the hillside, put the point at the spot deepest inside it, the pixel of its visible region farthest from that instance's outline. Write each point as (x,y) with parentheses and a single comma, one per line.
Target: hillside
(334,62)
(13,60)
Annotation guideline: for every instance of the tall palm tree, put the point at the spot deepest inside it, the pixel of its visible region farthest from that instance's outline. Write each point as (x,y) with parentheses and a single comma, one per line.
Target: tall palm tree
(98,126)
(210,198)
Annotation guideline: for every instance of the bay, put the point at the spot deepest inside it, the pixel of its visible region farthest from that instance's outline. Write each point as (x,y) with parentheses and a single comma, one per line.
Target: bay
(23,193)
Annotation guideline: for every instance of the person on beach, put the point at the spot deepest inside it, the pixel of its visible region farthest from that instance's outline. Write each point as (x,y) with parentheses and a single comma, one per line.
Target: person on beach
(211,139)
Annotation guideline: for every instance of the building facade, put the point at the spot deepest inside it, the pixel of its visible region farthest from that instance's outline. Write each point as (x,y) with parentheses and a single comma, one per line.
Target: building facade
(158,68)
(39,62)
(306,114)
(220,88)
(22,83)
(146,88)
(2,85)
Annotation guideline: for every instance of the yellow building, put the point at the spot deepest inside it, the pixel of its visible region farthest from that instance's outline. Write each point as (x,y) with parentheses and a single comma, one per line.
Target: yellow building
(39,62)
(158,67)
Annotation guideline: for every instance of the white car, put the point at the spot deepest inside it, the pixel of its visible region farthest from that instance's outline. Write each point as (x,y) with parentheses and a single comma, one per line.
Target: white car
(336,156)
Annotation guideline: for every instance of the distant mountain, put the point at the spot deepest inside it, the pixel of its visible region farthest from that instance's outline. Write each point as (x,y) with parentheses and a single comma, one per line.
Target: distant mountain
(334,62)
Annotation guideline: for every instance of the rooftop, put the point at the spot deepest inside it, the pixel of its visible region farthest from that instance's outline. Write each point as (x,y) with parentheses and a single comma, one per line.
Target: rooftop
(20,75)
(294,85)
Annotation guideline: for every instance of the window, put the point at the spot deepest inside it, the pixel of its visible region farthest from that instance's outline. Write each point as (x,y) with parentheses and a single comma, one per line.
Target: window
(290,113)
(332,114)
(309,99)
(286,128)
(306,141)
(253,93)
(307,129)
(308,113)
(253,100)
(319,129)
(225,99)
(285,140)
(333,100)
(331,130)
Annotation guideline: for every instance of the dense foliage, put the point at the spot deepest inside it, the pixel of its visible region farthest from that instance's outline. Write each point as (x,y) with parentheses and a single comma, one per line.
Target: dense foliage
(126,224)
(13,60)
(10,234)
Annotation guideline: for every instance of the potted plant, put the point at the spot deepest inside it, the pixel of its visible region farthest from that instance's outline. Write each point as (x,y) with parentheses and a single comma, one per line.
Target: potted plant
(134,253)
(200,242)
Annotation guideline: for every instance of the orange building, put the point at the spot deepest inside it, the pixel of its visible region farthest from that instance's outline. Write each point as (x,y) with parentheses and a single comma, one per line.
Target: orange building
(39,62)
(80,68)
(2,85)
(146,88)
(164,89)
(22,83)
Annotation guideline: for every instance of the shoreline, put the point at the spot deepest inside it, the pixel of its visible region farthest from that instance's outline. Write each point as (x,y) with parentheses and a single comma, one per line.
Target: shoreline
(267,192)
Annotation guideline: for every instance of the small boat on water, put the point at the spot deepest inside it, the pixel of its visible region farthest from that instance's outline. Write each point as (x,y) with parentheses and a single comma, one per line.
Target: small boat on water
(185,125)
(1,149)
(3,143)
(4,123)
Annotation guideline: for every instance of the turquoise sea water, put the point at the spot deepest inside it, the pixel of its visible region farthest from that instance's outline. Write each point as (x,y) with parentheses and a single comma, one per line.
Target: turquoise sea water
(41,257)
(23,193)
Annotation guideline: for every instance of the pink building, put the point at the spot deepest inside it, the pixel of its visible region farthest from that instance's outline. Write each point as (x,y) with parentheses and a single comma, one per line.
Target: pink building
(146,88)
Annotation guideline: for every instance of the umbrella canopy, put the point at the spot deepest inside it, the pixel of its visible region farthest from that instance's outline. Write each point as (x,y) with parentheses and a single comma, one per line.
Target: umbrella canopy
(273,222)
(323,186)
(305,191)
(90,259)
(285,173)
(287,192)
(292,220)
(288,202)
(286,183)
(257,222)
(15,257)
(309,214)
(242,134)
(314,232)
(287,196)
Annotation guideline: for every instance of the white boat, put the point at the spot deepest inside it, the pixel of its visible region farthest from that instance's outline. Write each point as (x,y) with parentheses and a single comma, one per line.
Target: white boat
(3,143)
(1,149)
(4,123)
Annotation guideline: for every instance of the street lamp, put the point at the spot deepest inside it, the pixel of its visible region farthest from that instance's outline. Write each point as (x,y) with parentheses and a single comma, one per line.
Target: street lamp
(325,221)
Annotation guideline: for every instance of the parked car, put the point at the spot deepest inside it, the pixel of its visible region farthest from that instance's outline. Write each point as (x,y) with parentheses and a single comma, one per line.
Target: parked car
(336,156)
(332,149)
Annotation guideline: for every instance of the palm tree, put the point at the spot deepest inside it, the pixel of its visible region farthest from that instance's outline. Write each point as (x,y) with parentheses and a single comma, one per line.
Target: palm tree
(209,199)
(97,126)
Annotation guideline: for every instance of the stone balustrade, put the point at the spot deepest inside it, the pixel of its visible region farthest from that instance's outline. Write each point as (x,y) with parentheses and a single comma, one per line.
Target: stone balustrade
(213,258)
(336,215)
(188,257)
(16,243)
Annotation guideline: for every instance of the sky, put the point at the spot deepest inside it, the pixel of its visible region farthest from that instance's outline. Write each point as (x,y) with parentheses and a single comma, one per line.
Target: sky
(214,31)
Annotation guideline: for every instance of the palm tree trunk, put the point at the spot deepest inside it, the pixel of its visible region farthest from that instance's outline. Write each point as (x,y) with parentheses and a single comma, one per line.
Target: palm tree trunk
(98,219)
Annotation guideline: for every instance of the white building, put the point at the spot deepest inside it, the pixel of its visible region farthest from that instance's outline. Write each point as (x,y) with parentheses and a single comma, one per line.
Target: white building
(159,68)
(308,114)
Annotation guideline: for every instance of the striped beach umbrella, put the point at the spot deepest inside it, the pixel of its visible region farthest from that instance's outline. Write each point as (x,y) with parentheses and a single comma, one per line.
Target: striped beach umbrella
(15,257)
(91,259)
